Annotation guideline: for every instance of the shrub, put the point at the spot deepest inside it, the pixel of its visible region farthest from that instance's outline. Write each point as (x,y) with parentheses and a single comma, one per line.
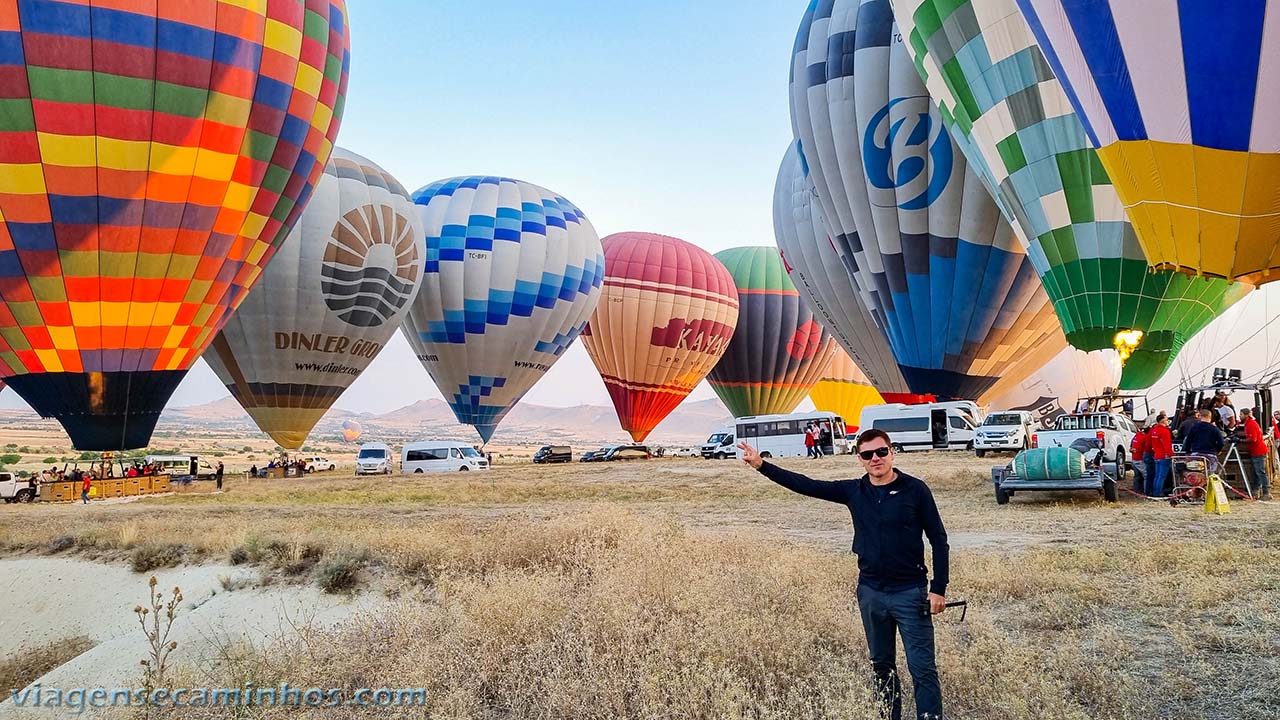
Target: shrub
(10,459)
(152,556)
(339,573)
(49,460)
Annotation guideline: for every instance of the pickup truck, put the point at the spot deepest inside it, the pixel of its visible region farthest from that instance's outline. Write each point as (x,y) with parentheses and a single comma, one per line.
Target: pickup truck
(1113,430)
(13,489)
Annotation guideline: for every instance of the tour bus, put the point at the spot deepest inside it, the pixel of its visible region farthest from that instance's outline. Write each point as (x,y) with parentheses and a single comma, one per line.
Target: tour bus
(926,426)
(180,465)
(783,435)
(440,456)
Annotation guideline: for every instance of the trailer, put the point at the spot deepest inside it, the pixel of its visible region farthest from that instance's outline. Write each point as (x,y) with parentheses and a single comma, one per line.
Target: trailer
(1079,467)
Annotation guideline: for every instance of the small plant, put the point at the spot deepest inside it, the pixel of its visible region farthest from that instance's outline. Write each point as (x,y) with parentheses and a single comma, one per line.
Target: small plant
(339,573)
(24,449)
(129,534)
(10,459)
(49,460)
(152,556)
(61,543)
(157,622)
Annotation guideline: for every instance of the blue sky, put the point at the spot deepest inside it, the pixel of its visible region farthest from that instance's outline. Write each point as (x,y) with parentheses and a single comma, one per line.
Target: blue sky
(660,116)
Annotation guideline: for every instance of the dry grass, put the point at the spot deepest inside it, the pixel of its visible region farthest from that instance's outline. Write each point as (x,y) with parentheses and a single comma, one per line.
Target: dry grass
(697,589)
(24,666)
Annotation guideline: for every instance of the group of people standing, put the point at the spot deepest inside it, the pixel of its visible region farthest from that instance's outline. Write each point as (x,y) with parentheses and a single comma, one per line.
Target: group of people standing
(1203,432)
(818,440)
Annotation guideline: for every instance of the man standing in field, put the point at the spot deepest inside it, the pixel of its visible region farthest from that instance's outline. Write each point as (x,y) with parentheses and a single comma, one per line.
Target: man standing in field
(892,513)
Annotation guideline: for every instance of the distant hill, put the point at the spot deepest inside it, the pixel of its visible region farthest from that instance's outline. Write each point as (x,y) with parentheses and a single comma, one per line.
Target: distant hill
(580,425)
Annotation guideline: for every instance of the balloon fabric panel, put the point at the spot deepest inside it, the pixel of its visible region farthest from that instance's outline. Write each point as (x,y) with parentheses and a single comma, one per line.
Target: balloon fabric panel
(942,273)
(154,158)
(1015,124)
(331,298)
(513,271)
(778,350)
(819,273)
(666,314)
(1181,104)
(844,390)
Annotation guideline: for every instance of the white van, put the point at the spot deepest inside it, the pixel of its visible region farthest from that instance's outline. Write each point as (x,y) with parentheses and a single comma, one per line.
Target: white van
(180,465)
(1004,430)
(927,426)
(373,459)
(720,445)
(440,456)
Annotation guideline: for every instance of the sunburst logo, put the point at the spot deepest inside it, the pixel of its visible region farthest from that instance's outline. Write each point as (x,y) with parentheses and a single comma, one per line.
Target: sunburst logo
(370,265)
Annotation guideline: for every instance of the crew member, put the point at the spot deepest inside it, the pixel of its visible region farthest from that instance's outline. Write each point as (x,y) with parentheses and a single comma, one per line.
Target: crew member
(1256,444)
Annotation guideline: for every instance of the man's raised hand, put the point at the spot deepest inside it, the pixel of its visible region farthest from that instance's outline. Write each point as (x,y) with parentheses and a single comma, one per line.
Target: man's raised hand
(750,456)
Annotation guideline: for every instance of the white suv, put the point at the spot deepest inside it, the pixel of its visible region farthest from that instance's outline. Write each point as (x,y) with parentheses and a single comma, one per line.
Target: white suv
(315,462)
(1004,430)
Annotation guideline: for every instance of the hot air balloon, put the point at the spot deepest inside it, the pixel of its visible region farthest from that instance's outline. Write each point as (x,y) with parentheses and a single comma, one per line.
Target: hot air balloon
(331,298)
(778,350)
(844,390)
(939,269)
(825,283)
(667,311)
(1178,100)
(351,431)
(1056,388)
(513,272)
(153,159)
(1013,121)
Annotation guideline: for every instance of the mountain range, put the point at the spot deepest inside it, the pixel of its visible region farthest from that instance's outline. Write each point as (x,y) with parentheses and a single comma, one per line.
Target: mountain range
(581,425)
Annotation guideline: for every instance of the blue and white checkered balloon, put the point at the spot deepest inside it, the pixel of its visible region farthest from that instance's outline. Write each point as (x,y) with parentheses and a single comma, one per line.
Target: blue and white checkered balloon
(513,272)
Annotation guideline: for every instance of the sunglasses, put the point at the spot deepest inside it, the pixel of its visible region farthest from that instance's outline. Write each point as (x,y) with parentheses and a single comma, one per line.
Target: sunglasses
(878,452)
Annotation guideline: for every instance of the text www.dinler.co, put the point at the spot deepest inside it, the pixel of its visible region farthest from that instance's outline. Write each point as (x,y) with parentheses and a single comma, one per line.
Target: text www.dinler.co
(79,700)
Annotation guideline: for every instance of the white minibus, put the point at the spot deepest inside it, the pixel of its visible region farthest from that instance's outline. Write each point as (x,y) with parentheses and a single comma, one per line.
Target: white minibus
(440,456)
(926,426)
(783,435)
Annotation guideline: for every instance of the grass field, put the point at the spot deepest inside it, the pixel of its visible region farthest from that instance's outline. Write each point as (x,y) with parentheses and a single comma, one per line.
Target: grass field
(690,588)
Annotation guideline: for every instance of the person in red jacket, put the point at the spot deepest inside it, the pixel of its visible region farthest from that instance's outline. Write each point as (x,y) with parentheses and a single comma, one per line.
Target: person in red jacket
(1256,445)
(1138,450)
(1162,451)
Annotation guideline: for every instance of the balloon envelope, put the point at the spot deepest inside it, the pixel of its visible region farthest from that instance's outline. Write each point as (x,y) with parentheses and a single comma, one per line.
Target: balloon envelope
(666,314)
(825,283)
(351,430)
(1015,124)
(513,272)
(335,292)
(1179,100)
(153,158)
(941,271)
(778,350)
(844,390)
(1056,388)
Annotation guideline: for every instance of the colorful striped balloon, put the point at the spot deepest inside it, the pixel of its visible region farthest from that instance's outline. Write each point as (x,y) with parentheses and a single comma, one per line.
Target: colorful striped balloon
(153,154)
(1012,119)
(778,350)
(1180,99)
(666,314)
(942,273)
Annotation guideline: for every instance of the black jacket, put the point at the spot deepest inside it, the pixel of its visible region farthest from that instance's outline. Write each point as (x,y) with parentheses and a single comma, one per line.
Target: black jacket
(1202,439)
(888,536)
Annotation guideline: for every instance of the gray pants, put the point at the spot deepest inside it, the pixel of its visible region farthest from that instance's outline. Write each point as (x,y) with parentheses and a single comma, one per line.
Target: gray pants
(906,612)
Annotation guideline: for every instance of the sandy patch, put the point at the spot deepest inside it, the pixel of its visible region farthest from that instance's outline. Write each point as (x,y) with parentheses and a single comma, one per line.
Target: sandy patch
(52,598)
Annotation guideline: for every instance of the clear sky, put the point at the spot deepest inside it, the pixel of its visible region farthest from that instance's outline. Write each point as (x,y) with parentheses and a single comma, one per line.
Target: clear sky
(664,116)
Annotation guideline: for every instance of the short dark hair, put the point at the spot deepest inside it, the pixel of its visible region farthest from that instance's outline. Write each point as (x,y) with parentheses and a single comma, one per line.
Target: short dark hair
(867,436)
